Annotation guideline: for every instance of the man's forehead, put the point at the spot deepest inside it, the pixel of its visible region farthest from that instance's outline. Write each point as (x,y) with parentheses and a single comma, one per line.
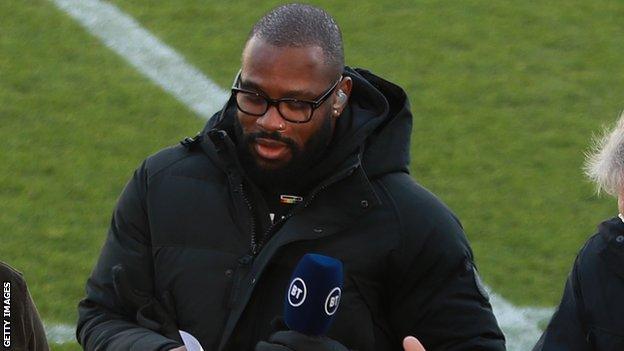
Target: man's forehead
(259,46)
(284,68)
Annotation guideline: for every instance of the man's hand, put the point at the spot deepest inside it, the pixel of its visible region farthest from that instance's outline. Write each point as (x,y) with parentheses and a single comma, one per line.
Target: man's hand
(181,348)
(410,343)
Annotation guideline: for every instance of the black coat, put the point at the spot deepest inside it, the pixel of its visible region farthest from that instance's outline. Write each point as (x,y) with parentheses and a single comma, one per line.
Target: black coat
(179,246)
(591,314)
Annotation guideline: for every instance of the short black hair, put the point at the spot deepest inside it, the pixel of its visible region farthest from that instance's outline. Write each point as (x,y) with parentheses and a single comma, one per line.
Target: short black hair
(300,25)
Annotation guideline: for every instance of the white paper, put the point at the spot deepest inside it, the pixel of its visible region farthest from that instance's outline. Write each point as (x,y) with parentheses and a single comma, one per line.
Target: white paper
(190,342)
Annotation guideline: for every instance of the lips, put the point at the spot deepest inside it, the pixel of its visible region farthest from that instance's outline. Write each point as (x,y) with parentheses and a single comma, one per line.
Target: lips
(270,149)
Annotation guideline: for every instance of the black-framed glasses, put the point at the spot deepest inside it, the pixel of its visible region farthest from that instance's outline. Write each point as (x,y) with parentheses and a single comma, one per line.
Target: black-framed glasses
(292,110)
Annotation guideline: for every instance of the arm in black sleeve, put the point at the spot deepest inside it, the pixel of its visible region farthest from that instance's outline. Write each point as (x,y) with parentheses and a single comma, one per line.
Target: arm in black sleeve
(106,320)
(441,300)
(566,330)
(438,296)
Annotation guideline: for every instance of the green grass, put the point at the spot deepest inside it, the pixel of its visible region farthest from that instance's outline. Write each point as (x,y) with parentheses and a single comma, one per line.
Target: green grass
(75,122)
(505,95)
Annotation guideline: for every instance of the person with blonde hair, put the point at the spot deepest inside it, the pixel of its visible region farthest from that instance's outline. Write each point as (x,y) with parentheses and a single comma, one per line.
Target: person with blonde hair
(591,313)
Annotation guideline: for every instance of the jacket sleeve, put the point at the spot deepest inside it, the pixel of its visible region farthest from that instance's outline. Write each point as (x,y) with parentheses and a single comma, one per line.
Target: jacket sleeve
(438,296)
(567,330)
(106,320)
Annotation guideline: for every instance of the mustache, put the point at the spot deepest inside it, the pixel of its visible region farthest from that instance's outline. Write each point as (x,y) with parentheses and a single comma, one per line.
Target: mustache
(251,137)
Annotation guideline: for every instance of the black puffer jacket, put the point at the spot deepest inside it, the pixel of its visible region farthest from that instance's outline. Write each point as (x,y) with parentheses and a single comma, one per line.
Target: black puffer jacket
(178,251)
(591,314)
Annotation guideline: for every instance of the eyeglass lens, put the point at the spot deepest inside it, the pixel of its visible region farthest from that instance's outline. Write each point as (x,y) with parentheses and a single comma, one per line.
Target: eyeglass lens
(257,105)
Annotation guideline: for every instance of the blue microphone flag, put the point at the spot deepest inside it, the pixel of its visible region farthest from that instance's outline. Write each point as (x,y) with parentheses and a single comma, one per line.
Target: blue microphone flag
(313,294)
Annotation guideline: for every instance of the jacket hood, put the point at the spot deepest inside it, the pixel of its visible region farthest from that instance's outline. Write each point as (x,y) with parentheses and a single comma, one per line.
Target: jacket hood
(382,123)
(375,127)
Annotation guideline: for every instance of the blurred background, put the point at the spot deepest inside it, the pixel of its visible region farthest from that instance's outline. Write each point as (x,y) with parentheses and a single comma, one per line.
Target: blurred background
(506,96)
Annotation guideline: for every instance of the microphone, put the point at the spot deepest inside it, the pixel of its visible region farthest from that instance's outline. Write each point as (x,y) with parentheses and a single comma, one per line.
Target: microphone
(313,294)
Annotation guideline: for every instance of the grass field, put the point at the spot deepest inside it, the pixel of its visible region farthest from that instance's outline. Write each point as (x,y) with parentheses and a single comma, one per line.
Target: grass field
(505,98)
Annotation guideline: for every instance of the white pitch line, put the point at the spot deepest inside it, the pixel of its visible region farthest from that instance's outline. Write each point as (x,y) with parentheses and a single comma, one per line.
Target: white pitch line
(148,54)
(521,325)
(60,333)
(169,70)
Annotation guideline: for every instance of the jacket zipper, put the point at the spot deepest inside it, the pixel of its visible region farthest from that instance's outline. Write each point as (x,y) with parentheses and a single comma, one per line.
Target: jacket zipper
(307,203)
(252,219)
(256,245)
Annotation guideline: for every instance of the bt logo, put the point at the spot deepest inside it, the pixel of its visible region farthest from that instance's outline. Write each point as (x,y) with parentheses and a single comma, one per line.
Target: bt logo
(332,301)
(297,292)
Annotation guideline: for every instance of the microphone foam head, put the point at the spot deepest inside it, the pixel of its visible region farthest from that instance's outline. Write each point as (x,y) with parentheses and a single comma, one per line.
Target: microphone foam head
(313,294)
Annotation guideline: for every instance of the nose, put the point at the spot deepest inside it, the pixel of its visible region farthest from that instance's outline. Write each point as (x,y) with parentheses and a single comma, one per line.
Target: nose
(272,120)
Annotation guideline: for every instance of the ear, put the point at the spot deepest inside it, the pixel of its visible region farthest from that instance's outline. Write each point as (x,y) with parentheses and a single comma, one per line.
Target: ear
(343,92)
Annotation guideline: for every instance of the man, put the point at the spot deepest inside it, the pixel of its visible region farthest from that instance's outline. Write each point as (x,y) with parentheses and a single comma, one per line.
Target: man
(589,317)
(307,156)
(21,326)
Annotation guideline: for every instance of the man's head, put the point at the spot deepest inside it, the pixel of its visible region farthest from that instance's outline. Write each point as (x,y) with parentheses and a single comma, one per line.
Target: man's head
(294,54)
(605,164)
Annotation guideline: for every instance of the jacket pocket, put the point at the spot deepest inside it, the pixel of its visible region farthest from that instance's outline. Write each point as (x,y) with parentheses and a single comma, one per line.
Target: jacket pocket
(157,314)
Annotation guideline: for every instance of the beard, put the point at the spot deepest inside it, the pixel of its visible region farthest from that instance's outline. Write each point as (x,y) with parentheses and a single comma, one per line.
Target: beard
(288,174)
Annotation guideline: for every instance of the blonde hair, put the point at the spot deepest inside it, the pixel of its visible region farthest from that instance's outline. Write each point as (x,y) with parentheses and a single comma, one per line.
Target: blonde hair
(605,162)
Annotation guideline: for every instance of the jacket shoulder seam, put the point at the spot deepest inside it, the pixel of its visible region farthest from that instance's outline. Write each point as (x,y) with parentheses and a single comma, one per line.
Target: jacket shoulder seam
(160,169)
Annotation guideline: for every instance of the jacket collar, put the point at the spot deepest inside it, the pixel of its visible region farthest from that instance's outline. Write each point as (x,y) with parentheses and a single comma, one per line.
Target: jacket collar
(612,232)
